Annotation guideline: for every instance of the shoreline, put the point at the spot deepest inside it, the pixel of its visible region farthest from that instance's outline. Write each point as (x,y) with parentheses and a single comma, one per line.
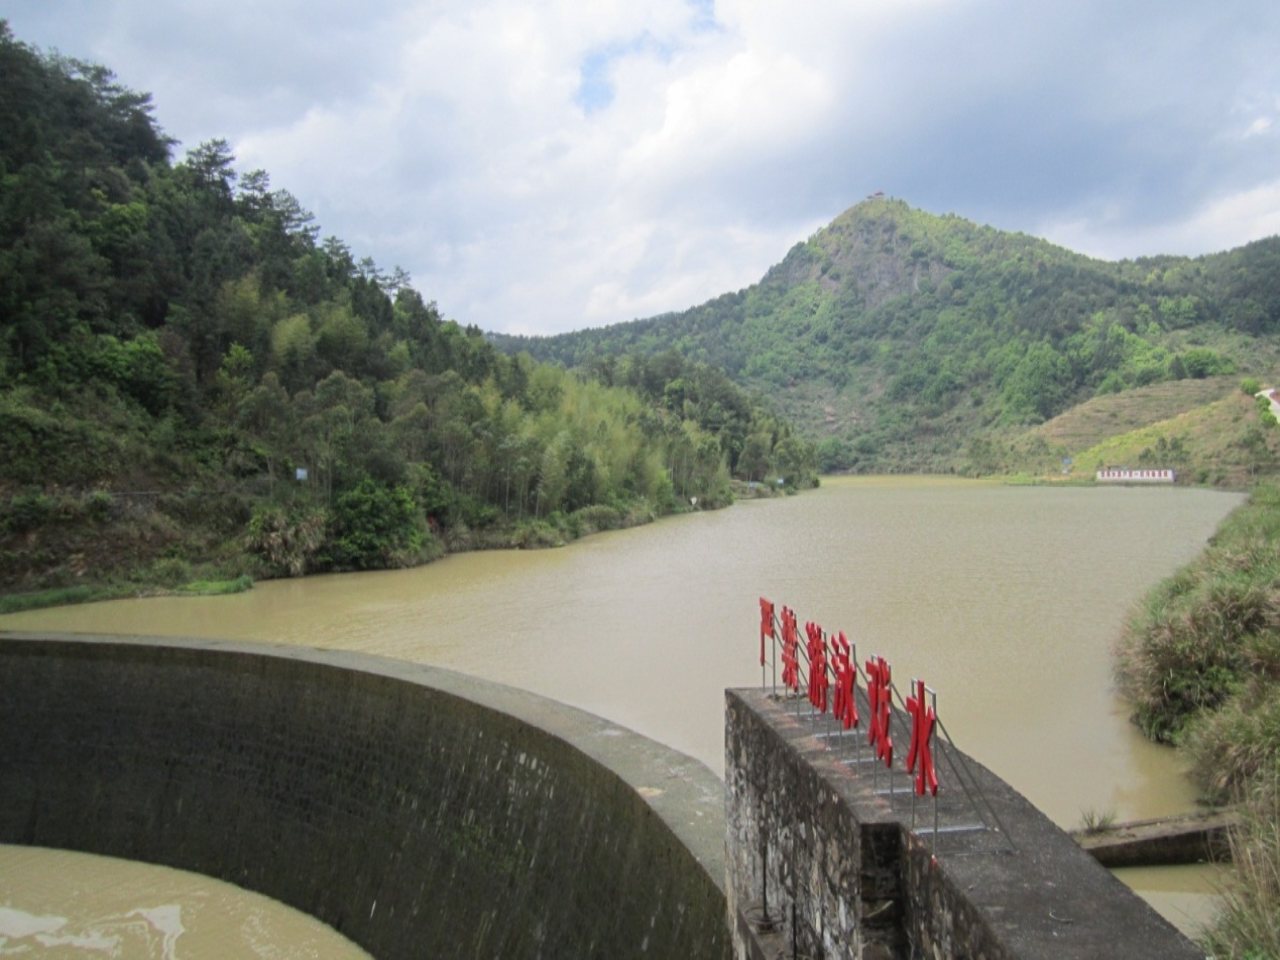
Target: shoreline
(523,534)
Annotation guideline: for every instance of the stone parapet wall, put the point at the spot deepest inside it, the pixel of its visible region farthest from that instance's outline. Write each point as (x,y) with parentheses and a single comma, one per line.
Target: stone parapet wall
(821,847)
(419,812)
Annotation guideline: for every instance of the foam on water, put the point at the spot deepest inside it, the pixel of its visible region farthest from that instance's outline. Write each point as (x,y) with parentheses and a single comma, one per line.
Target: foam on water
(122,910)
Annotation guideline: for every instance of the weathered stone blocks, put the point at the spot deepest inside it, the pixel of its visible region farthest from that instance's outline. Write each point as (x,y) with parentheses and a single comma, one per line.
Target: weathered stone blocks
(823,841)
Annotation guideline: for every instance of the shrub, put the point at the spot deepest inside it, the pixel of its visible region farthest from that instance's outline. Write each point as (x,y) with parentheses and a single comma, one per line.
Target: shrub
(1185,653)
(41,444)
(597,517)
(27,511)
(536,533)
(1214,623)
(1231,746)
(1201,362)
(169,572)
(374,526)
(98,505)
(475,513)
(285,541)
(642,511)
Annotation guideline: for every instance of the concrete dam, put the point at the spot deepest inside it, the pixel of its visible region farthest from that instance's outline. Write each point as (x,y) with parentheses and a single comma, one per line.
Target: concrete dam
(420,813)
(425,813)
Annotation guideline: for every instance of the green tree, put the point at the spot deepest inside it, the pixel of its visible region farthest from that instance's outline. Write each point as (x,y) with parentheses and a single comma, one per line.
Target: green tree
(373,526)
(1037,385)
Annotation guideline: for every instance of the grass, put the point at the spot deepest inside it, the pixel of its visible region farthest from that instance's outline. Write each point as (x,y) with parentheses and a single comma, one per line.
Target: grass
(1232,746)
(215,588)
(1199,427)
(1208,434)
(1202,633)
(17,602)
(83,593)
(1248,925)
(1045,480)
(1094,421)
(1200,659)
(1097,821)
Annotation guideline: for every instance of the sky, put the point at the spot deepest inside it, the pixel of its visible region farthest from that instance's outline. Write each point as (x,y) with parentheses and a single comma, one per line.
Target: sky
(549,165)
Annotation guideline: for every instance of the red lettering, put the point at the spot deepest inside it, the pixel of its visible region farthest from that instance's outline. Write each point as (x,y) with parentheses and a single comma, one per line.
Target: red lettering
(923,719)
(818,682)
(879,692)
(790,650)
(846,699)
(766,625)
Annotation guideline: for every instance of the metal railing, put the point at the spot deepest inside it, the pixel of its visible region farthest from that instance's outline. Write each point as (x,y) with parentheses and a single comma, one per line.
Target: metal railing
(868,704)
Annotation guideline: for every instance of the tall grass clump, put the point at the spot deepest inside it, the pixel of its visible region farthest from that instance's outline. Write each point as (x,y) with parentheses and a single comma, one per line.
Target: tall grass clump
(1231,747)
(1097,821)
(1247,926)
(1202,633)
(1200,659)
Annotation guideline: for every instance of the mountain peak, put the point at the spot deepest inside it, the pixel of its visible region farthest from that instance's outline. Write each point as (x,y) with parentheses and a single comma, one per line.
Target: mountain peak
(897,335)
(880,248)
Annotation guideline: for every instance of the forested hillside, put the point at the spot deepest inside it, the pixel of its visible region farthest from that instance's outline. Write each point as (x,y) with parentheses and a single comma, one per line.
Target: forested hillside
(897,338)
(193,385)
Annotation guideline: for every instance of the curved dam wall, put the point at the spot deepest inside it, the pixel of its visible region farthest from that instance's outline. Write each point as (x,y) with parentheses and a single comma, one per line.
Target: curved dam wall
(417,811)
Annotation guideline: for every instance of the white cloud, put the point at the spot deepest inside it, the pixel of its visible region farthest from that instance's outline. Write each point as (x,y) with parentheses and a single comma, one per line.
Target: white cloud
(456,137)
(1259,126)
(1219,224)
(523,210)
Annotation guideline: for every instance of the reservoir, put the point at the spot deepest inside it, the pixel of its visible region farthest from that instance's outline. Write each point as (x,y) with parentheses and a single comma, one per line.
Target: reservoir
(1006,600)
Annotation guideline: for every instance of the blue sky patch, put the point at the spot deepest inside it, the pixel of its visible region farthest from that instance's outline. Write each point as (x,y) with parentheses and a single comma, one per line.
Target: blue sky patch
(595,87)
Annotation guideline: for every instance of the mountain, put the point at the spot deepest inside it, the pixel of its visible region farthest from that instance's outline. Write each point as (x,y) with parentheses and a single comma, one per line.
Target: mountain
(193,387)
(894,337)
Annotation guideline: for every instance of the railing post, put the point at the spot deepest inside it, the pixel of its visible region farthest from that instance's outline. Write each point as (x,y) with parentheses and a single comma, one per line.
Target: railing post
(916,718)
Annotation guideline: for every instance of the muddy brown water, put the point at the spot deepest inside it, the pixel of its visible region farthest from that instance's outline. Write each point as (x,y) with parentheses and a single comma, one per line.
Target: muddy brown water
(1006,600)
(66,905)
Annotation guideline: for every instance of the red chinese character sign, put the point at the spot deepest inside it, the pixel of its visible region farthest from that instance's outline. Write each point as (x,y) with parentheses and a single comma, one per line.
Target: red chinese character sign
(846,700)
(818,681)
(837,673)
(832,682)
(879,693)
(766,625)
(923,720)
(790,650)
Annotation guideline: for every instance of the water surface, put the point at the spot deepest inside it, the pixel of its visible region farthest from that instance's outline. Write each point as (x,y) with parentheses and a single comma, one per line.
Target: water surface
(65,905)
(1006,600)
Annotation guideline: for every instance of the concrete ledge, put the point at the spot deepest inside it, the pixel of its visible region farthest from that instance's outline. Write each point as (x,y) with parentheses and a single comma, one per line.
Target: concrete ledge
(810,833)
(418,811)
(1201,837)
